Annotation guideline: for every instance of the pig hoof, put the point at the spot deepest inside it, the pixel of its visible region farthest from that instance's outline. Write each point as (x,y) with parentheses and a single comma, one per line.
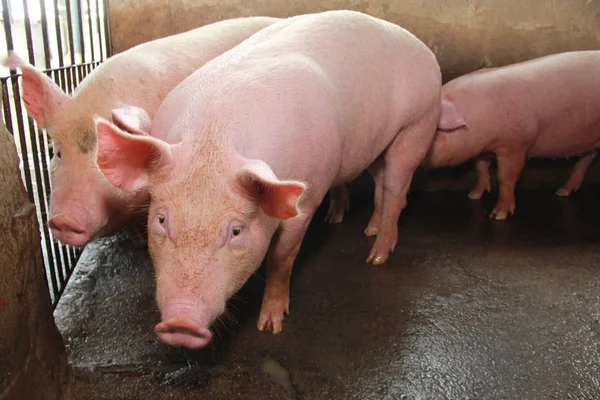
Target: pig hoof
(334,218)
(376,260)
(564,192)
(475,195)
(370,231)
(499,215)
(379,260)
(273,325)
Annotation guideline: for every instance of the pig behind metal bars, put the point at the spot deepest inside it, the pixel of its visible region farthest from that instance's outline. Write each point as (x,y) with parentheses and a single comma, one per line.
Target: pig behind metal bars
(128,88)
(267,128)
(547,107)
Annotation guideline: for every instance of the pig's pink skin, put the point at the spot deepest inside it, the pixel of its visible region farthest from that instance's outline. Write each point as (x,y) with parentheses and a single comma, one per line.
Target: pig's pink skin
(539,108)
(267,128)
(137,81)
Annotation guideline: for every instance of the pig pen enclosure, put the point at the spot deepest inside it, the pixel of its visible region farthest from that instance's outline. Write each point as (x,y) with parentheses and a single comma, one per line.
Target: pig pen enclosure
(466,308)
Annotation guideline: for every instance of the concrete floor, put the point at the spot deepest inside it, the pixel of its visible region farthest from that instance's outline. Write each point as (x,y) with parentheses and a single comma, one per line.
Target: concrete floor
(467,308)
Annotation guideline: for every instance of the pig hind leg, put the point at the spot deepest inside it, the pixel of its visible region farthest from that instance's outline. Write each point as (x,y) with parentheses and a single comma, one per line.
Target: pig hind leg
(482,168)
(401,159)
(510,165)
(280,260)
(377,172)
(576,178)
(339,203)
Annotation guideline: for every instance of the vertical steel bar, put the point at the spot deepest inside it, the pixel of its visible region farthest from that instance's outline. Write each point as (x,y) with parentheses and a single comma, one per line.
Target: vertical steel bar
(59,43)
(39,169)
(28,35)
(107,36)
(80,27)
(70,31)
(27,171)
(99,30)
(7,26)
(91,30)
(45,39)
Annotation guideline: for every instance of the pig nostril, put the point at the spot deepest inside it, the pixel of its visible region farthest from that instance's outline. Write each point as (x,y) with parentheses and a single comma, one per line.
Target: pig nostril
(182,331)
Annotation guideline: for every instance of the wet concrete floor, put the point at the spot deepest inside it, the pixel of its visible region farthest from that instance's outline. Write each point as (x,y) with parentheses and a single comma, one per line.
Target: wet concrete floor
(467,308)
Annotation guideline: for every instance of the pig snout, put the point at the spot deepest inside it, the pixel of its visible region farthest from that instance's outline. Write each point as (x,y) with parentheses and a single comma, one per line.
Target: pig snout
(185,325)
(69,231)
(183,331)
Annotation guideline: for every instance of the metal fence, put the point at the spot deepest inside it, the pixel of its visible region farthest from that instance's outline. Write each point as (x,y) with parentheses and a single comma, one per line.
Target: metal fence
(66,39)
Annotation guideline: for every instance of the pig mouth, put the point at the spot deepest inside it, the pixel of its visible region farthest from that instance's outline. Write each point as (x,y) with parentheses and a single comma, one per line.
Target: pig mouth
(183,331)
(69,231)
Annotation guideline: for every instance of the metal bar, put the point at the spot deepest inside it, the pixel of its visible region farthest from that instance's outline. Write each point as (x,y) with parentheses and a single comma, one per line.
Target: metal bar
(67,261)
(58,32)
(38,164)
(91,30)
(27,22)
(107,36)
(6,106)
(27,171)
(43,179)
(99,29)
(7,25)
(63,80)
(70,31)
(45,39)
(80,27)
(71,79)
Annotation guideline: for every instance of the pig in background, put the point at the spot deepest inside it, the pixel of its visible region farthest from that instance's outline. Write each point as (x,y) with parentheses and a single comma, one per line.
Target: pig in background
(128,89)
(267,128)
(547,107)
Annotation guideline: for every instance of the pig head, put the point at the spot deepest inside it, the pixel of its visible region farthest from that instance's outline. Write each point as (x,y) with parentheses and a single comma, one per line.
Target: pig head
(83,205)
(204,253)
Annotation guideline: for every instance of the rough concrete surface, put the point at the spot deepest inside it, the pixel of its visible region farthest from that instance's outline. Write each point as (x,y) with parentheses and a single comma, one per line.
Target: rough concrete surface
(467,308)
(465,35)
(33,362)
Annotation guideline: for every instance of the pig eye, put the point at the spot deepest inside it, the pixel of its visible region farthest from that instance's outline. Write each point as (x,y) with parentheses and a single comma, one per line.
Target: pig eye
(161,219)
(236,231)
(54,153)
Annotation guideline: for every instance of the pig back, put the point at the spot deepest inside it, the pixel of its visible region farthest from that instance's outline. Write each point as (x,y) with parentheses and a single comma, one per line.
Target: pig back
(541,105)
(317,97)
(365,79)
(143,75)
(565,97)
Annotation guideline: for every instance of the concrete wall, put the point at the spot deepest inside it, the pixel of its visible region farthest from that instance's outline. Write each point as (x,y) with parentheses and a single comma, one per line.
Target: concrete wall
(33,363)
(464,34)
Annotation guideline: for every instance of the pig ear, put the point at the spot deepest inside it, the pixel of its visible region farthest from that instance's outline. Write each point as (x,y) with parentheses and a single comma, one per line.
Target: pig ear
(134,120)
(450,119)
(43,98)
(278,199)
(128,161)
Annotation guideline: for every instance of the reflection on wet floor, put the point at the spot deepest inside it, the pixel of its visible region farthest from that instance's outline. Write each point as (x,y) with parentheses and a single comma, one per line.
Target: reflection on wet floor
(467,308)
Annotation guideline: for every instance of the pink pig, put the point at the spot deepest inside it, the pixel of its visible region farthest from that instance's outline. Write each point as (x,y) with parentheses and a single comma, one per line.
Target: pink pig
(128,88)
(267,128)
(547,107)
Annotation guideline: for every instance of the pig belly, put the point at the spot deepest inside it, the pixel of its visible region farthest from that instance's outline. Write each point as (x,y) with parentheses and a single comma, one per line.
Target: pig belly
(566,141)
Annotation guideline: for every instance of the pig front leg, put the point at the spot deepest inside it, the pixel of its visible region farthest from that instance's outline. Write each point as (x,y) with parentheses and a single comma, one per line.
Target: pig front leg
(280,260)
(339,203)
(482,168)
(510,165)
(576,178)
